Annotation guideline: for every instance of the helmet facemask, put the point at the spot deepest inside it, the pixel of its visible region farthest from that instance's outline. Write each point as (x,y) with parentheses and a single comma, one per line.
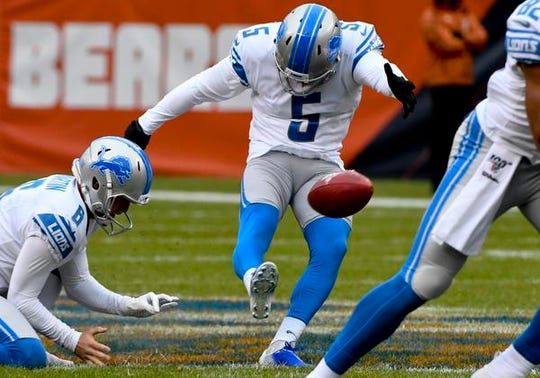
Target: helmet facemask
(110,168)
(308,47)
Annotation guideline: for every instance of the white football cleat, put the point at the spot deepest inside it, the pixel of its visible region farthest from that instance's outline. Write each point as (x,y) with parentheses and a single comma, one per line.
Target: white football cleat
(55,361)
(481,373)
(263,285)
(497,368)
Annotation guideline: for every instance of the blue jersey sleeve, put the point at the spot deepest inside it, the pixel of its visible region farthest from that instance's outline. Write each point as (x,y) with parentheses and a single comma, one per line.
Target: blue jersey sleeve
(58,231)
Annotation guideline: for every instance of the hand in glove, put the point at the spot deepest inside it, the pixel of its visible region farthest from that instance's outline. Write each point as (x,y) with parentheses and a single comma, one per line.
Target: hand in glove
(149,304)
(402,90)
(53,360)
(135,133)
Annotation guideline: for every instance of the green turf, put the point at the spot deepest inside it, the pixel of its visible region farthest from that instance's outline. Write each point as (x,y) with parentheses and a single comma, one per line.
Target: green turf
(185,248)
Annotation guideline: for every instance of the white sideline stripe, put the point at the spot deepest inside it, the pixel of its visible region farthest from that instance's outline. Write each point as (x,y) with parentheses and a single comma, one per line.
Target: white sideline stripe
(215,197)
(531,254)
(233,198)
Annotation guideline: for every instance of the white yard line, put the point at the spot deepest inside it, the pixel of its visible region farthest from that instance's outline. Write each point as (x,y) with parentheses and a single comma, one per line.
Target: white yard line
(215,197)
(218,197)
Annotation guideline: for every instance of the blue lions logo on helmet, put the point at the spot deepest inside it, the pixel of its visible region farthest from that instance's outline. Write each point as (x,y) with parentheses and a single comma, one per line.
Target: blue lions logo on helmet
(119,166)
(334,45)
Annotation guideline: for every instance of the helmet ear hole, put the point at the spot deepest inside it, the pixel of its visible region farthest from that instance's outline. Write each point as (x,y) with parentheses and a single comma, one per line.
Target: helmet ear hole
(95,183)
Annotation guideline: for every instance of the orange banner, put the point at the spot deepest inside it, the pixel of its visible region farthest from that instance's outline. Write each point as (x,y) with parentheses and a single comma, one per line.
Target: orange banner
(71,71)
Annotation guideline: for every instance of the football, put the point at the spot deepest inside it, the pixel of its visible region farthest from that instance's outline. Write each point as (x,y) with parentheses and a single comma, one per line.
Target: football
(341,194)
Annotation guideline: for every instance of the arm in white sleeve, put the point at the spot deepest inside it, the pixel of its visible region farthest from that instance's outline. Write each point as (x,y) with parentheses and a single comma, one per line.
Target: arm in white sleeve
(370,71)
(86,290)
(30,272)
(217,83)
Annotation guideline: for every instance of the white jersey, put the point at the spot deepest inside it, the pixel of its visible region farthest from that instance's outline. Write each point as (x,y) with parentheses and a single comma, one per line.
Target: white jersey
(44,225)
(50,208)
(503,114)
(311,126)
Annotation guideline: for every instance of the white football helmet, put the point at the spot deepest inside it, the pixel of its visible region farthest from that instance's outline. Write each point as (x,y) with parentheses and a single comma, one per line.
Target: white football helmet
(113,167)
(308,48)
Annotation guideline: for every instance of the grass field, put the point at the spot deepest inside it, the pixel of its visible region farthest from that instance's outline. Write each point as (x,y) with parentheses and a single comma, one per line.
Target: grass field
(183,248)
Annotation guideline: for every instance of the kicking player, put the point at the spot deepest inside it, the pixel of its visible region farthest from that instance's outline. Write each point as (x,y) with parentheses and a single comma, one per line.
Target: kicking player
(44,230)
(306,76)
(495,166)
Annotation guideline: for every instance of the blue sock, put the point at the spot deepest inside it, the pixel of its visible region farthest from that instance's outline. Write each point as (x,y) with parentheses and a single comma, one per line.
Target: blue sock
(25,352)
(378,314)
(258,224)
(527,343)
(327,240)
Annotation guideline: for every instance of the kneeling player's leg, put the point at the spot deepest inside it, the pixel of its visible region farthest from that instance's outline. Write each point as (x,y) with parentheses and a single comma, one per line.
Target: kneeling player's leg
(19,344)
(25,352)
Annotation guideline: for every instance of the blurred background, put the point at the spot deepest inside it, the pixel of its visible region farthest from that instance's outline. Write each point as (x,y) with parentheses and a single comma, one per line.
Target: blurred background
(71,71)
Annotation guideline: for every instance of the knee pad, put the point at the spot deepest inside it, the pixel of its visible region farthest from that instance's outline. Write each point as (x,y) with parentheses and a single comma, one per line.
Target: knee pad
(430,282)
(438,266)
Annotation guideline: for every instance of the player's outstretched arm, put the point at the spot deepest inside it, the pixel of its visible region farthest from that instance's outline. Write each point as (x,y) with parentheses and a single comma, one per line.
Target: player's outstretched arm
(135,133)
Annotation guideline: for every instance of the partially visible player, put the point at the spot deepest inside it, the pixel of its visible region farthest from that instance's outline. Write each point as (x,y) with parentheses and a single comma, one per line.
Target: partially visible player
(495,166)
(44,229)
(306,76)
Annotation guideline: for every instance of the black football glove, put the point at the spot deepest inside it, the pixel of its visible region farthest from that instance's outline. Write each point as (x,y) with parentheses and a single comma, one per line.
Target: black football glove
(135,133)
(402,90)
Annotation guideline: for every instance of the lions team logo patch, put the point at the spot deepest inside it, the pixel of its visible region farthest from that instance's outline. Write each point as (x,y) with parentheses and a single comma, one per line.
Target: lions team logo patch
(58,231)
(334,46)
(119,166)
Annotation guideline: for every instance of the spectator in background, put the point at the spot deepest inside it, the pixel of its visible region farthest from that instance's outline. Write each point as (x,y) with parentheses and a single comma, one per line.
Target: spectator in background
(453,33)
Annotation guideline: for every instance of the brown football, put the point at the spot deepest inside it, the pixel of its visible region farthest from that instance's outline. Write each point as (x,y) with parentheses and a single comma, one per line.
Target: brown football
(341,194)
